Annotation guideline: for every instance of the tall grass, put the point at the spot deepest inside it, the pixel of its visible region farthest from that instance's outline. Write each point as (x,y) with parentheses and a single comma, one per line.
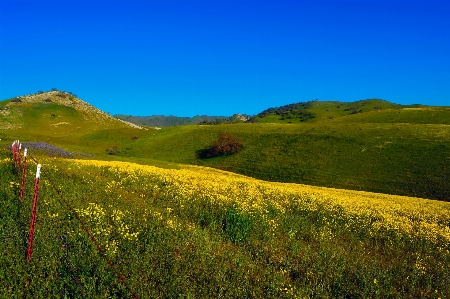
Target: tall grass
(195,232)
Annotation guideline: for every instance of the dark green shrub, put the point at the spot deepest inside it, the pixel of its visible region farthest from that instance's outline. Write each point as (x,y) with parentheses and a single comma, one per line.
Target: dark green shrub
(226,145)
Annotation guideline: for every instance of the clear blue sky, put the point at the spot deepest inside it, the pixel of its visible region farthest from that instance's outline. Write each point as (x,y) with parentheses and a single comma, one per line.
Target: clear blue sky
(220,57)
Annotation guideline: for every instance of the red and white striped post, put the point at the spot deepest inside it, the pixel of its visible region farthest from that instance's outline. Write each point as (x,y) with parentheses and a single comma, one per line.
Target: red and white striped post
(24,169)
(12,148)
(17,154)
(14,152)
(33,213)
(19,158)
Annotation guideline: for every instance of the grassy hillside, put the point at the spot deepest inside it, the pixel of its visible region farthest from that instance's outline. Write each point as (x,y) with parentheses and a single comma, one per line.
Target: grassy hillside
(64,120)
(314,111)
(368,145)
(195,232)
(394,158)
(189,231)
(418,115)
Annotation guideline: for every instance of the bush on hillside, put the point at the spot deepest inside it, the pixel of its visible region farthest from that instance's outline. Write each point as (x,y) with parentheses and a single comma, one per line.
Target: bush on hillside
(226,145)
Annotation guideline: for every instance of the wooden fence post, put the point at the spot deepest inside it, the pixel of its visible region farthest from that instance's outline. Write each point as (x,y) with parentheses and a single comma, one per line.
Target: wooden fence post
(24,169)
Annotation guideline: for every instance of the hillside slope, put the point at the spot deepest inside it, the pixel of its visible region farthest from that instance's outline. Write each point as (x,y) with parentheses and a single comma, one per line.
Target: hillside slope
(63,119)
(194,232)
(52,108)
(314,111)
(394,158)
(392,149)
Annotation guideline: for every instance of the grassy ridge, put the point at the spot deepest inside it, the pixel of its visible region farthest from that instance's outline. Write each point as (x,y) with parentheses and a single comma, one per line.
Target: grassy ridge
(314,111)
(202,233)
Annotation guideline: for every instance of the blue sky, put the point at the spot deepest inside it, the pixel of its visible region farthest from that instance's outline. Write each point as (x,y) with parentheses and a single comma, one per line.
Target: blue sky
(220,57)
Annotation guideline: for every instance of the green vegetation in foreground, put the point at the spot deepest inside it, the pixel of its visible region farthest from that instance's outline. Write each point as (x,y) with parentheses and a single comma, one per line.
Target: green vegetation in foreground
(204,249)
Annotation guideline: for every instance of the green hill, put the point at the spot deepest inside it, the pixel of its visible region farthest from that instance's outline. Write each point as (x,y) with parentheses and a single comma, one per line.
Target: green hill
(314,111)
(404,159)
(418,115)
(368,145)
(61,118)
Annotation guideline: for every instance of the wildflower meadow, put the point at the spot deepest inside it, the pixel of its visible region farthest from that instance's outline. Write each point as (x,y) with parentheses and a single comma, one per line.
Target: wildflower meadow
(196,232)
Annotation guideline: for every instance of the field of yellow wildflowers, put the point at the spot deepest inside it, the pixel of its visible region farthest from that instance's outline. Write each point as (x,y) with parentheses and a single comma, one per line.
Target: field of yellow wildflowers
(196,232)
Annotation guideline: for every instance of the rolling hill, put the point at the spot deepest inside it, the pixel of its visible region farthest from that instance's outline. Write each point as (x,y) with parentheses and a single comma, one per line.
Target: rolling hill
(314,111)
(370,145)
(190,231)
(370,110)
(404,159)
(61,118)
(55,109)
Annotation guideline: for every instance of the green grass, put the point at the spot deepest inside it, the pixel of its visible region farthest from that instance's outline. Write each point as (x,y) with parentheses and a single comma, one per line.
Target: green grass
(393,149)
(216,251)
(194,247)
(429,115)
(322,111)
(404,159)
(65,126)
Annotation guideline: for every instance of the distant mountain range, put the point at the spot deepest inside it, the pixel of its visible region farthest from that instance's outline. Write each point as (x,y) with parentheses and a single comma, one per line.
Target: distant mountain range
(301,112)
(161,121)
